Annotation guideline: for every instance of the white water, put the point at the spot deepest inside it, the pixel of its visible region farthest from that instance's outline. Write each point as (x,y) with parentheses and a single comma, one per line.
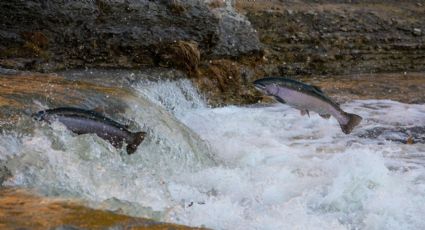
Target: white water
(278,170)
(291,172)
(284,171)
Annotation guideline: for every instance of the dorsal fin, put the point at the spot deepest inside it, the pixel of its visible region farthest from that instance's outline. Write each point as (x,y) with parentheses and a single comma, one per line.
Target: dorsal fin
(319,91)
(99,111)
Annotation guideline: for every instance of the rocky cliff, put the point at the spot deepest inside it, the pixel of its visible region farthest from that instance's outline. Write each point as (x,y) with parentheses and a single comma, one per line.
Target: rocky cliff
(55,34)
(339,37)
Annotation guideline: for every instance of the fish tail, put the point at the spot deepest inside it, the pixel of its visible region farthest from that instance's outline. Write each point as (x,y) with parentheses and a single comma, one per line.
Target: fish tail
(135,141)
(353,121)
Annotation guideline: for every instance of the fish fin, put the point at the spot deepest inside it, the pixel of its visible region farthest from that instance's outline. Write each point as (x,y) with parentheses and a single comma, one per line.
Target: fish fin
(353,121)
(304,112)
(279,100)
(320,91)
(99,111)
(326,116)
(135,141)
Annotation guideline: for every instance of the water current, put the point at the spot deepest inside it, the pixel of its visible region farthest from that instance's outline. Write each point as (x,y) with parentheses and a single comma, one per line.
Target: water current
(262,166)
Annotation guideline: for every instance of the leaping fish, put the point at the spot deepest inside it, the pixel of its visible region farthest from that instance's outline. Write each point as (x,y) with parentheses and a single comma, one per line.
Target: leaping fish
(81,121)
(306,98)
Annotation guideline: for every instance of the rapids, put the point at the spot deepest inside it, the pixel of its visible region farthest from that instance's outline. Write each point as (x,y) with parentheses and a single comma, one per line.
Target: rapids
(252,167)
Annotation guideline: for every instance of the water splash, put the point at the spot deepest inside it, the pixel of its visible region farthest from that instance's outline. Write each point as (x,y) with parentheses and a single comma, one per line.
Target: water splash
(278,170)
(178,97)
(56,162)
(286,171)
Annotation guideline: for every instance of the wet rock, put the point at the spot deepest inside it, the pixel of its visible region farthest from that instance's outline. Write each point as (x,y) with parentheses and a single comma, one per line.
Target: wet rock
(116,33)
(417,31)
(236,36)
(383,39)
(67,227)
(4,174)
(406,135)
(20,209)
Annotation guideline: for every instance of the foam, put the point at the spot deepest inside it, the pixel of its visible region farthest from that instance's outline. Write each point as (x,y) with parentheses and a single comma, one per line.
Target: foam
(278,170)
(298,172)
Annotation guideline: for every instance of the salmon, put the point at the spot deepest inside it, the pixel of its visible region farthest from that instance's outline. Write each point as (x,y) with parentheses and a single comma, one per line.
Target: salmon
(81,121)
(307,98)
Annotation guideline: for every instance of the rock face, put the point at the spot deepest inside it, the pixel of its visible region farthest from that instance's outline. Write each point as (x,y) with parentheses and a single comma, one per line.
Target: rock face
(20,209)
(347,47)
(309,37)
(236,36)
(54,34)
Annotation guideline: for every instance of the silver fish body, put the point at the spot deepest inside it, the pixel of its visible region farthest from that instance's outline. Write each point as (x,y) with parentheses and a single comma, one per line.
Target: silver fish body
(306,98)
(82,121)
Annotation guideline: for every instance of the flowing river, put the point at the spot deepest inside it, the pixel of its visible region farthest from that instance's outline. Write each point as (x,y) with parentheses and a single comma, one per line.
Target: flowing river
(262,166)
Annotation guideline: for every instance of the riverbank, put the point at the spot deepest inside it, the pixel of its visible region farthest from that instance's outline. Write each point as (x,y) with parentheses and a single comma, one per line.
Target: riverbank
(22,209)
